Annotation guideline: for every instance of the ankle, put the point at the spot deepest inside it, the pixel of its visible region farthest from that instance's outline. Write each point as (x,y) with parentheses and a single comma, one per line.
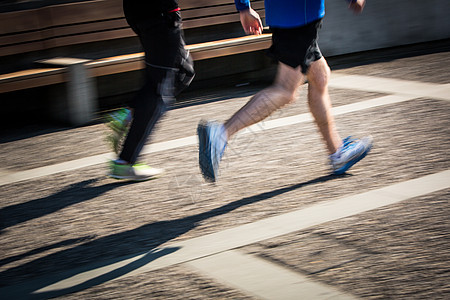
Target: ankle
(121,162)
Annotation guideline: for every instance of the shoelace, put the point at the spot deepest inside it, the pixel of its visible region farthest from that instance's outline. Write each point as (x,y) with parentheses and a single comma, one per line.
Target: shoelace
(347,141)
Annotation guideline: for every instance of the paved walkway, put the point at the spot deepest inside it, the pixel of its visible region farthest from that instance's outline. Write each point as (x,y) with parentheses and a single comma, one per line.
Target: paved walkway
(275,226)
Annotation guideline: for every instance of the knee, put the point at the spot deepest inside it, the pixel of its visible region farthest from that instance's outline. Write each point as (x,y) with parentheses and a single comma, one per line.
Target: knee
(285,93)
(319,76)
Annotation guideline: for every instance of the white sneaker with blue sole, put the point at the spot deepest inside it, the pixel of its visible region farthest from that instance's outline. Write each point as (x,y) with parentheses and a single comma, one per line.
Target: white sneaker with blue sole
(351,152)
(212,143)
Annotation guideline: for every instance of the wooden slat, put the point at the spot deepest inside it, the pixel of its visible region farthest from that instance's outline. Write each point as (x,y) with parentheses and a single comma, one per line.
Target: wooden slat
(244,40)
(57,15)
(47,30)
(189,4)
(194,23)
(89,11)
(88,38)
(133,62)
(47,34)
(65,41)
(85,28)
(230,46)
(219,52)
(27,47)
(117,64)
(214,20)
(31,78)
(33,26)
(20,32)
(205,12)
(208,11)
(19,21)
(90,32)
(27,37)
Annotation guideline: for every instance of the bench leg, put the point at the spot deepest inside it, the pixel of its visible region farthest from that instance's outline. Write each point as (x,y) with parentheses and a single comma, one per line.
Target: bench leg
(81,95)
(74,103)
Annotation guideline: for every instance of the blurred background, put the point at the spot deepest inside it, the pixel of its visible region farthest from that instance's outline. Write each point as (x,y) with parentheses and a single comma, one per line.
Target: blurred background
(34,32)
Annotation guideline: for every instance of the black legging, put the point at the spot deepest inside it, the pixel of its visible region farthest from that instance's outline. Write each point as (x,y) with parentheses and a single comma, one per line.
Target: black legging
(169,69)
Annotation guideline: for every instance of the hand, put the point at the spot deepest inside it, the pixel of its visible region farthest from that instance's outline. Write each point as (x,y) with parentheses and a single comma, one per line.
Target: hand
(357,6)
(251,21)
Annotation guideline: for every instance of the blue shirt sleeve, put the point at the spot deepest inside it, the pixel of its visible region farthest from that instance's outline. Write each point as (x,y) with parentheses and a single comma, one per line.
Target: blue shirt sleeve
(242,4)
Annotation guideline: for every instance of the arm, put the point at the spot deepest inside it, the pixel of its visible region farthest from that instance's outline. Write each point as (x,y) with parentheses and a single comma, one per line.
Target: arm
(250,19)
(357,5)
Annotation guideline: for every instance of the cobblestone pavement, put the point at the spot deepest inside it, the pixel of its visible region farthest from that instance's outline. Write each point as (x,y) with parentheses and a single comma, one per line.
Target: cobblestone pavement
(66,220)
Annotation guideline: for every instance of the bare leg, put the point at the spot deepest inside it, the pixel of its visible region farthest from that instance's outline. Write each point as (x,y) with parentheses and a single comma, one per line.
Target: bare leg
(320,104)
(265,102)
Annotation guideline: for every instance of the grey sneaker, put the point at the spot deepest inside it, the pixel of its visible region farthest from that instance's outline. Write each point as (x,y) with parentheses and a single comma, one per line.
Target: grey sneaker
(349,154)
(136,172)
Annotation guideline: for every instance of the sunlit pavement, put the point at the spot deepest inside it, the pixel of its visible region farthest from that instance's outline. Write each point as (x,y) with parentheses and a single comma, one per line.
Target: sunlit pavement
(274,226)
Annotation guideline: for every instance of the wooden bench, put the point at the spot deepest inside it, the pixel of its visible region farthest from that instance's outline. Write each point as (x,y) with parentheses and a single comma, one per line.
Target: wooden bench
(62,25)
(101,20)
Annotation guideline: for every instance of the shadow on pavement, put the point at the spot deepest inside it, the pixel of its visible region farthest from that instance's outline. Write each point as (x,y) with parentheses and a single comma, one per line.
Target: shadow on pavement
(73,194)
(116,247)
(65,243)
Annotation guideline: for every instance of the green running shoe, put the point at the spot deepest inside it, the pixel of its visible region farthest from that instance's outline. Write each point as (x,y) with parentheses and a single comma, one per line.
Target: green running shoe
(118,122)
(136,172)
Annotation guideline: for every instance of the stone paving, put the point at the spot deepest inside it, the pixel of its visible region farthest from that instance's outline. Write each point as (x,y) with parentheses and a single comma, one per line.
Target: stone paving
(71,220)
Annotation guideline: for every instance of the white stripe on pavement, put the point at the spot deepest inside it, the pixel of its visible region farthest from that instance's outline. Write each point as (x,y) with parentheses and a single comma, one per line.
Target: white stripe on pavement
(56,168)
(263,279)
(338,110)
(390,86)
(192,140)
(244,235)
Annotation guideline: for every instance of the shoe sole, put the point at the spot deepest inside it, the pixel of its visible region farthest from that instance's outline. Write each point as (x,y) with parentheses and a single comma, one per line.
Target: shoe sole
(205,161)
(353,161)
(133,178)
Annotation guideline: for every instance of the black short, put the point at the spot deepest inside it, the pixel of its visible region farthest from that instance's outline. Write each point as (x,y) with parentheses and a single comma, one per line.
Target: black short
(296,46)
